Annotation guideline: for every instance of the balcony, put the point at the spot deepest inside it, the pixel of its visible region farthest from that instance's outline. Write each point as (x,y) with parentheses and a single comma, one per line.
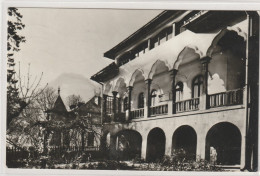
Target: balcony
(159,110)
(187,105)
(138,113)
(222,99)
(229,98)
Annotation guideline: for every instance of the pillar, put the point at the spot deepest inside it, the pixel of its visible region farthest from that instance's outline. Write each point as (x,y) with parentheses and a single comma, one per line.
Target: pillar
(144,146)
(168,144)
(129,88)
(173,74)
(148,83)
(204,100)
(104,108)
(201,144)
(114,105)
(112,147)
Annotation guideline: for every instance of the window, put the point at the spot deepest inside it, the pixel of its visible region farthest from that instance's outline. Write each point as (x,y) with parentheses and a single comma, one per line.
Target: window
(125,103)
(153,97)
(91,137)
(179,91)
(197,86)
(141,100)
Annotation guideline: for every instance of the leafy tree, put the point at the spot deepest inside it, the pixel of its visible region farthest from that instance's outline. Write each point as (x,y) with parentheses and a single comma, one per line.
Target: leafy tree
(14,104)
(74,101)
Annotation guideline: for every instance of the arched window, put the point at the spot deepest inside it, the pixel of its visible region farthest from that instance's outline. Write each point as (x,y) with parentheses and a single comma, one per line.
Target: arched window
(153,97)
(197,86)
(141,100)
(179,91)
(125,103)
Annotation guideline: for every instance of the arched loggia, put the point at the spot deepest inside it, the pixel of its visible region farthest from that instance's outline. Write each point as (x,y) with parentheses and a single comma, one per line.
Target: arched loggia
(155,145)
(184,140)
(223,144)
(129,144)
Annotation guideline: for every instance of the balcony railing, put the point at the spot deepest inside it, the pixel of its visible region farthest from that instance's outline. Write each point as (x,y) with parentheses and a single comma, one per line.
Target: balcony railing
(233,97)
(138,113)
(159,110)
(187,105)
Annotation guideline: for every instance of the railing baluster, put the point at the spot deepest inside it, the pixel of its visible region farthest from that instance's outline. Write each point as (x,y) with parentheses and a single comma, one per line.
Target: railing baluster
(233,97)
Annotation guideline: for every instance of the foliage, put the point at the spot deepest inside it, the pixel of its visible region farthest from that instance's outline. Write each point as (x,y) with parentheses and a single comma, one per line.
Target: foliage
(14,104)
(74,101)
(24,130)
(179,162)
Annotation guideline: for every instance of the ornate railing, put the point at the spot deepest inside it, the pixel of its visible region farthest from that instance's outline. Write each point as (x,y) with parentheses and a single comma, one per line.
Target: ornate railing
(187,105)
(138,113)
(159,110)
(232,97)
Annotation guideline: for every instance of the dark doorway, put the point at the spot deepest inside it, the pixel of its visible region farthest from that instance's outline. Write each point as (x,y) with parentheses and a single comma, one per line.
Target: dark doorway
(155,145)
(184,140)
(129,144)
(225,139)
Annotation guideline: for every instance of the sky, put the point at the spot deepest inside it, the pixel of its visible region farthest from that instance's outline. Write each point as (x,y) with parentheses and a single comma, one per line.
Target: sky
(67,45)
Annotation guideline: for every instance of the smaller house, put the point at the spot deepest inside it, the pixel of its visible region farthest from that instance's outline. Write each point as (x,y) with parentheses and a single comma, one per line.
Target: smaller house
(78,127)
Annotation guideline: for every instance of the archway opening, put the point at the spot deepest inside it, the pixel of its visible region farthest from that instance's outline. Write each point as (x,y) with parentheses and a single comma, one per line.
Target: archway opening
(155,145)
(129,144)
(223,144)
(184,140)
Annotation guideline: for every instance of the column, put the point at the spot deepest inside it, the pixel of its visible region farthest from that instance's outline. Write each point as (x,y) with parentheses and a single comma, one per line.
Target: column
(204,100)
(129,88)
(168,143)
(114,105)
(148,83)
(112,147)
(201,144)
(173,74)
(104,107)
(144,146)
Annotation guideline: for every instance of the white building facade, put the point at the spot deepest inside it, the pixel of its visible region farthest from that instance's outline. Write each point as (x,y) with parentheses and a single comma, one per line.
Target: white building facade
(183,82)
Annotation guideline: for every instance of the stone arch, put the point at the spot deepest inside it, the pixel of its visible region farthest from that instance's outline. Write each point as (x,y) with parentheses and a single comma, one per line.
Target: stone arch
(187,51)
(129,144)
(155,144)
(155,66)
(232,33)
(134,75)
(223,144)
(228,53)
(107,88)
(120,86)
(184,140)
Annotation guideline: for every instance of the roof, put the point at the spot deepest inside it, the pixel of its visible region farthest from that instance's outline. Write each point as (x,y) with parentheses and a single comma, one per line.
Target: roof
(144,31)
(106,73)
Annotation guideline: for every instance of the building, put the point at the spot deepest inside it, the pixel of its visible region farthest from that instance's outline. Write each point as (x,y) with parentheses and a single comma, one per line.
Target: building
(78,127)
(187,80)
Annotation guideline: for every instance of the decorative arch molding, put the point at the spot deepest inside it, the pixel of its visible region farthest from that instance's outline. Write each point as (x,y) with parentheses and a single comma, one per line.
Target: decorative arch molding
(221,34)
(184,126)
(135,73)
(182,54)
(108,87)
(155,65)
(117,83)
(225,122)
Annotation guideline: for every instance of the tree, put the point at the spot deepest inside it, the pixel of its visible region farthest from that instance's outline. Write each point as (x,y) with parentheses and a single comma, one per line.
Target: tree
(74,100)
(14,39)
(28,128)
